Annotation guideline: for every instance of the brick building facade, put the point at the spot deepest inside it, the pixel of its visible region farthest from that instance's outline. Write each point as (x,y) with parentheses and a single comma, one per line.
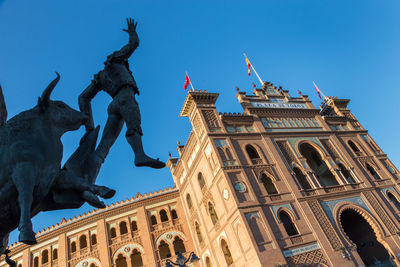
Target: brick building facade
(284,183)
(281,184)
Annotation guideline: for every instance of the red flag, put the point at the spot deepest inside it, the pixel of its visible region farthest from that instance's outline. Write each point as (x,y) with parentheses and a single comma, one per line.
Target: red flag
(254,86)
(317,89)
(187,81)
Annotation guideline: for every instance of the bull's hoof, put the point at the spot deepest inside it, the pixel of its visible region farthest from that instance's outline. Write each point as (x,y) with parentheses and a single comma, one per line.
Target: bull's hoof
(27,237)
(93,200)
(105,192)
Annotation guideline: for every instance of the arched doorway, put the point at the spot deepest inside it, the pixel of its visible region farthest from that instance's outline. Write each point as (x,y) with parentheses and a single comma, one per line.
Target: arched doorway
(360,232)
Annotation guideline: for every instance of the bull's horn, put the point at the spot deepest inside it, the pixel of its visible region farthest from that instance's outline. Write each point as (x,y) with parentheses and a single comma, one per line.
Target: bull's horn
(47,92)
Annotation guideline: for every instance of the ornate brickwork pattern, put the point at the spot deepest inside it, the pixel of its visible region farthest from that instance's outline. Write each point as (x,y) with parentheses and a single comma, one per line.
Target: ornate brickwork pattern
(381,213)
(328,146)
(325,224)
(286,152)
(211,118)
(312,258)
(197,126)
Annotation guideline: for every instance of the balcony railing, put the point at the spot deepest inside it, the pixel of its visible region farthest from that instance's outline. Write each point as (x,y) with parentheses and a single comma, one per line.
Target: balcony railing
(257,161)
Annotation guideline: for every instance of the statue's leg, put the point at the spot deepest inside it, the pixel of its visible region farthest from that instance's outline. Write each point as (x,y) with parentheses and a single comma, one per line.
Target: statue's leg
(111,130)
(24,177)
(130,112)
(4,242)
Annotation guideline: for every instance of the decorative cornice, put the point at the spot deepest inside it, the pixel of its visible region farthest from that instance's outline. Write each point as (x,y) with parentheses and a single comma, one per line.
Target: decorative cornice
(199,97)
(283,112)
(85,218)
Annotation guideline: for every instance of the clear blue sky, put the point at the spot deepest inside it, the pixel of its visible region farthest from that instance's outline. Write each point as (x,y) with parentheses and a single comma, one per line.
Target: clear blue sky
(349,48)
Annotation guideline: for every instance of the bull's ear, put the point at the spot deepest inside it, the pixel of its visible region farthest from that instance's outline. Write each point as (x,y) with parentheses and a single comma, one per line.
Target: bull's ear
(42,104)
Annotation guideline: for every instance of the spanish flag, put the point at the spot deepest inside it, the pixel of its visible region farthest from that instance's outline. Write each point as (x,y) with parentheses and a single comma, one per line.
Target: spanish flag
(248,65)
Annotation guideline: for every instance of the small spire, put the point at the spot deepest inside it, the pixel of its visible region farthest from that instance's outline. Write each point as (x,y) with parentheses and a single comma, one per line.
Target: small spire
(169,154)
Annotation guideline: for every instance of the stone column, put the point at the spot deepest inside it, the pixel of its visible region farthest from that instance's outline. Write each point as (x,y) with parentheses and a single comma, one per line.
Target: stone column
(26,258)
(103,243)
(62,250)
(149,257)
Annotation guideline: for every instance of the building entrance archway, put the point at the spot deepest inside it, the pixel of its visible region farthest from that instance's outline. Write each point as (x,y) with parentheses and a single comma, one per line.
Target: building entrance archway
(361,233)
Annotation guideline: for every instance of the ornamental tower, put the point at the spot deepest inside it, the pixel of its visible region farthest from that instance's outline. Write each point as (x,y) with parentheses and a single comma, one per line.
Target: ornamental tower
(285,184)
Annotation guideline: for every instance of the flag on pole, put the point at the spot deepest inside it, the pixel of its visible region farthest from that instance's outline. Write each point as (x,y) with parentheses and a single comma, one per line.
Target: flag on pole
(254,86)
(317,89)
(248,65)
(187,81)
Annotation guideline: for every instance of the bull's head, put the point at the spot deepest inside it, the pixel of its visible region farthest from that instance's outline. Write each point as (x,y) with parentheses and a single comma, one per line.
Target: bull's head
(60,114)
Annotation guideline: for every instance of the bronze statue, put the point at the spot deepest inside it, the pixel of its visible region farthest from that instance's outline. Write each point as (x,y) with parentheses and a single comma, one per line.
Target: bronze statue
(31,150)
(30,165)
(116,79)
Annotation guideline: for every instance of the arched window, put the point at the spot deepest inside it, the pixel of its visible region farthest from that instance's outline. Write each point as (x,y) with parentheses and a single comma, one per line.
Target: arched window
(113,233)
(354,147)
(301,178)
(94,239)
(372,172)
(227,252)
(82,242)
(19,265)
(36,262)
(153,220)
(213,213)
(55,254)
(201,180)
(136,258)
(198,232)
(122,228)
(163,216)
(174,215)
(321,170)
(287,223)
(73,247)
(253,154)
(346,174)
(163,250)
(93,265)
(268,184)
(179,247)
(45,256)
(189,201)
(134,226)
(208,262)
(394,200)
(121,261)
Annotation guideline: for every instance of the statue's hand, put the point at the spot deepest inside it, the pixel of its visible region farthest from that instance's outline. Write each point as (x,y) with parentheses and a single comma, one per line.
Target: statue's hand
(132,29)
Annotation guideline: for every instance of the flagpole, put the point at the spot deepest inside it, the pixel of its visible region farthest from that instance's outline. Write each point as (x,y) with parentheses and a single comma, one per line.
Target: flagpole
(258,76)
(190,81)
(328,100)
(319,90)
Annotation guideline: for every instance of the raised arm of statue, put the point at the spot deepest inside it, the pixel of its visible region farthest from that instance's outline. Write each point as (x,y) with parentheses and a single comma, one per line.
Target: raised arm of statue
(133,43)
(85,106)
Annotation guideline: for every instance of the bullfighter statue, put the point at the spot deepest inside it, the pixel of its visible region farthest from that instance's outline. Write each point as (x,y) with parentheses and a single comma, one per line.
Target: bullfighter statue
(116,79)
